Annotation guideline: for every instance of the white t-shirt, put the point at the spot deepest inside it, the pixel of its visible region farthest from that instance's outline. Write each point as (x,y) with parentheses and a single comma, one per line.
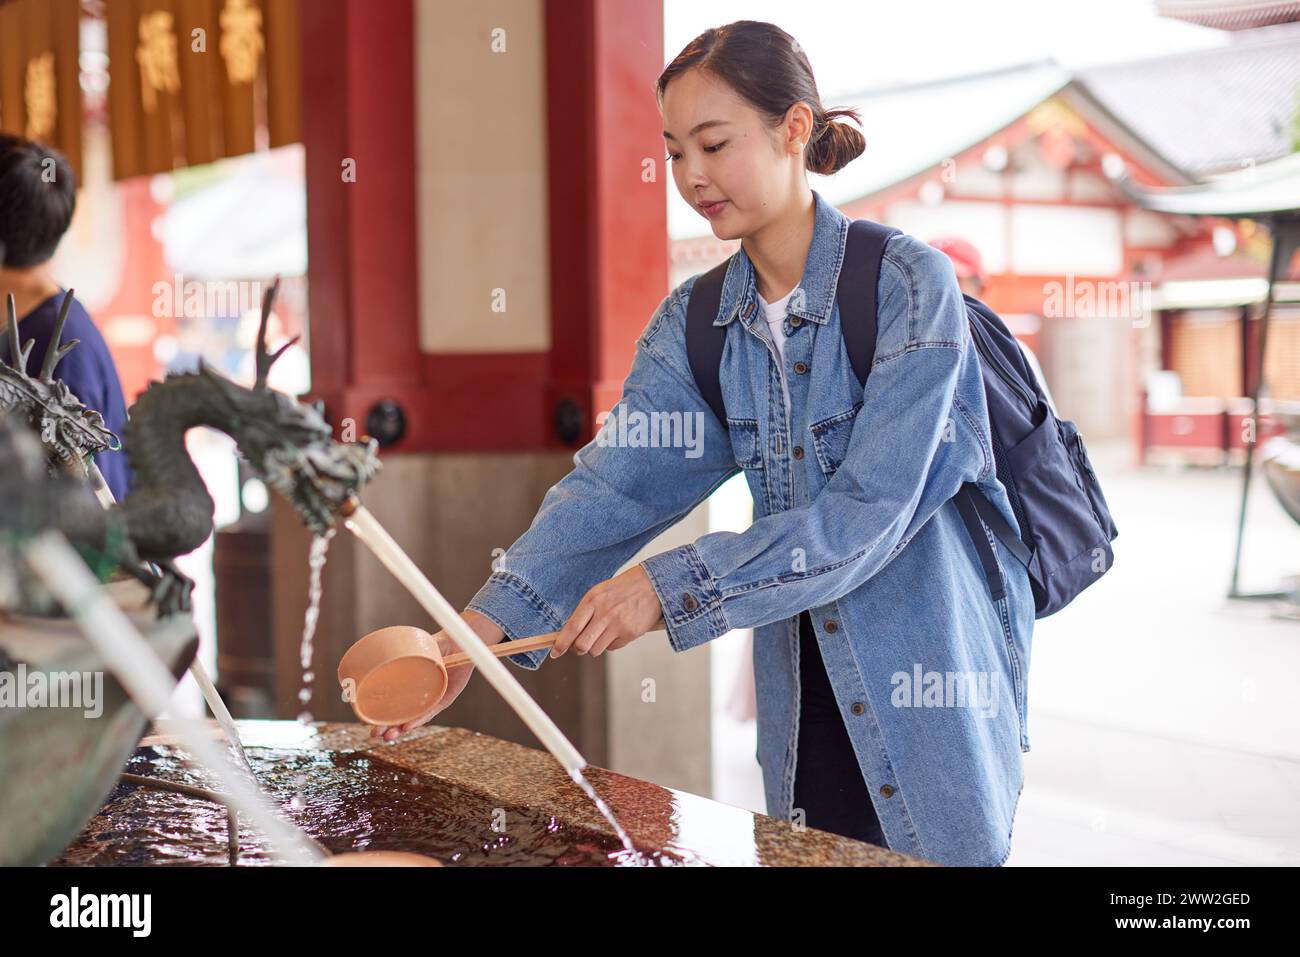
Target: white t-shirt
(774,313)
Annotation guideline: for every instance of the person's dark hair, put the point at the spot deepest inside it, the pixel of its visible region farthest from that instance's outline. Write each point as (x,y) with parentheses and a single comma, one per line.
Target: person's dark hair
(38,193)
(768,68)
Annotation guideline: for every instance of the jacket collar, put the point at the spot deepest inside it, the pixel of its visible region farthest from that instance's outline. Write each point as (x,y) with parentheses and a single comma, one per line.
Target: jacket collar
(821,272)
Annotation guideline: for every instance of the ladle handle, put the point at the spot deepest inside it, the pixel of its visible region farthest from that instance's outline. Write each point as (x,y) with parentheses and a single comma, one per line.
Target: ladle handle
(502,648)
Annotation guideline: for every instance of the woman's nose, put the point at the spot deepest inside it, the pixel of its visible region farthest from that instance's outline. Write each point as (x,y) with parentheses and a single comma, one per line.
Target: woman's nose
(691,174)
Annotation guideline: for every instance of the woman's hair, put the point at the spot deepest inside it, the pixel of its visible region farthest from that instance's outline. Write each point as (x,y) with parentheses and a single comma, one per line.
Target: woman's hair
(768,68)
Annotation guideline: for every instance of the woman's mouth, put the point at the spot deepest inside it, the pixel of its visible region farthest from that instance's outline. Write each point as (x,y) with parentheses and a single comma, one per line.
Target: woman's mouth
(712,209)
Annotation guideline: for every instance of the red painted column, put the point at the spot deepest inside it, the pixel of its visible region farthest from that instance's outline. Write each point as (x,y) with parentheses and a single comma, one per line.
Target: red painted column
(608,228)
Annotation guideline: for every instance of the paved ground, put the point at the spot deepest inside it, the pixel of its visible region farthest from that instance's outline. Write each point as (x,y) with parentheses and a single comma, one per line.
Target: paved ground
(1164,719)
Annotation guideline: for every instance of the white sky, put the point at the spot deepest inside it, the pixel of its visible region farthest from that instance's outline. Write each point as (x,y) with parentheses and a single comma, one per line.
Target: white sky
(865,43)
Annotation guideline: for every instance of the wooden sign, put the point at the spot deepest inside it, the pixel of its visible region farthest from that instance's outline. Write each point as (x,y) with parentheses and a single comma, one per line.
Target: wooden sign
(40,91)
(192,81)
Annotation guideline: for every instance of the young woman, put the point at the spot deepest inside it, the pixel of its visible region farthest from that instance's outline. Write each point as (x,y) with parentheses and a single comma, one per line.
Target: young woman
(890,683)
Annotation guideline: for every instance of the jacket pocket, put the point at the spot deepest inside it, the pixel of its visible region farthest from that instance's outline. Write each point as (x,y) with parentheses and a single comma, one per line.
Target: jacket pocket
(831,438)
(745,442)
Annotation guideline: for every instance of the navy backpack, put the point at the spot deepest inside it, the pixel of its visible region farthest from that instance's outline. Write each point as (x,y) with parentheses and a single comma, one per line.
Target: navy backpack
(1040,459)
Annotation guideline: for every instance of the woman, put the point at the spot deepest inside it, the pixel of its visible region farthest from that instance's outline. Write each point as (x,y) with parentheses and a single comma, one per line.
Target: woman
(890,684)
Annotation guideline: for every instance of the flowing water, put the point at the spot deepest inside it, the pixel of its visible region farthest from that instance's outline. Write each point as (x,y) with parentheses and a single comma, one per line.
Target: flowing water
(580,779)
(315,564)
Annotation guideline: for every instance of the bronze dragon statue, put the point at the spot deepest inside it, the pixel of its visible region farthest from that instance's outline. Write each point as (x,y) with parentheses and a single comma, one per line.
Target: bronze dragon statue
(168,511)
(70,432)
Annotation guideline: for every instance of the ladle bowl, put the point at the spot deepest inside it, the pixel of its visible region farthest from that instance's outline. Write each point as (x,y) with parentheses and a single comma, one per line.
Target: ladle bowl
(380,859)
(398,674)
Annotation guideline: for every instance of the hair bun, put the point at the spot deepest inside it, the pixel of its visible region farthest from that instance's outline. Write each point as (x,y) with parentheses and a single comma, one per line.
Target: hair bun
(835,144)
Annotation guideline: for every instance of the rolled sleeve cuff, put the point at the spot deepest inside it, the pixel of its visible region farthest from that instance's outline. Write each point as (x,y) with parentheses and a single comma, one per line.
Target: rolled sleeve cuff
(518,611)
(691,602)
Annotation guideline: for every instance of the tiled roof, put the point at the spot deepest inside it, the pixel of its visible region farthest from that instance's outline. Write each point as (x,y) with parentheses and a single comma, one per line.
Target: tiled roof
(1230,14)
(1257,190)
(1210,109)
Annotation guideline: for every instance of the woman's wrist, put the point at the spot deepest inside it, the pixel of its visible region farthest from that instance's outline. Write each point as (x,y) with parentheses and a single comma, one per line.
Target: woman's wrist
(484,627)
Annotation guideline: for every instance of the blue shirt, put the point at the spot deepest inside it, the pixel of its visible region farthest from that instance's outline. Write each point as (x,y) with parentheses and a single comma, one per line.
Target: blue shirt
(88,372)
(854,521)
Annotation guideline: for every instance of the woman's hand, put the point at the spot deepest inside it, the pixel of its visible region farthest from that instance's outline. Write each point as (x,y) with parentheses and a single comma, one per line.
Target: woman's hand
(457,677)
(612,614)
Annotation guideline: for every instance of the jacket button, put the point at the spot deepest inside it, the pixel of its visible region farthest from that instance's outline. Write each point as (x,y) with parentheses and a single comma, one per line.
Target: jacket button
(831,626)
(749,310)
(886,790)
(801,367)
(857,707)
(796,321)
(797,451)
(689,602)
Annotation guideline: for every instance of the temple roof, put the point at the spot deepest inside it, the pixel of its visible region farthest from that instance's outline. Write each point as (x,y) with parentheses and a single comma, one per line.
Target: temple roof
(1260,190)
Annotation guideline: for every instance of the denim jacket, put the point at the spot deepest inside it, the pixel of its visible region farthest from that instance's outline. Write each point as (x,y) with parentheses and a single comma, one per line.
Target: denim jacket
(853,521)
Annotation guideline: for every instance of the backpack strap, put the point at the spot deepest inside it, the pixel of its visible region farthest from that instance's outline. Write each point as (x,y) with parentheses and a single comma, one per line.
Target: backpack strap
(864,249)
(996,523)
(704,340)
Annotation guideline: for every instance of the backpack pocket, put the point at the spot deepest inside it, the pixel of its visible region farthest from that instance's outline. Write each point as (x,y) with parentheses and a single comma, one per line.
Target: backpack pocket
(1074,442)
(1064,529)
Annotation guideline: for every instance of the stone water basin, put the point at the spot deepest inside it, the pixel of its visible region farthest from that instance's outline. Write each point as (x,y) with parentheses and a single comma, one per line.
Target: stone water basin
(465,798)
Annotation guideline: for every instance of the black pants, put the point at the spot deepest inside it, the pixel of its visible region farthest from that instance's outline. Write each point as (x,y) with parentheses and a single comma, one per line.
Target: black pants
(828,783)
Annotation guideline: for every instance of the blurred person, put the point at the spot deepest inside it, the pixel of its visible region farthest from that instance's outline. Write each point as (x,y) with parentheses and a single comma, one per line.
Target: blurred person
(969,267)
(38,193)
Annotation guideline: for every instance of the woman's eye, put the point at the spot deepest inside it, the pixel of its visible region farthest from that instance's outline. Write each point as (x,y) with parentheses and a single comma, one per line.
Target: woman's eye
(673,157)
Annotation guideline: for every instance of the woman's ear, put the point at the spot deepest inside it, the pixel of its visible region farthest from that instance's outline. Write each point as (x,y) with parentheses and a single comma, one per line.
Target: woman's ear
(798,127)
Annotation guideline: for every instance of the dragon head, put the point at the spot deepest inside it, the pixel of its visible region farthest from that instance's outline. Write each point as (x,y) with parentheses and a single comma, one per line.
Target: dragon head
(289,443)
(69,431)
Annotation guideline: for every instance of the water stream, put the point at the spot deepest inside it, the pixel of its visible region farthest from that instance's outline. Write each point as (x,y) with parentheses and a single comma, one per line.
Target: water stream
(316,564)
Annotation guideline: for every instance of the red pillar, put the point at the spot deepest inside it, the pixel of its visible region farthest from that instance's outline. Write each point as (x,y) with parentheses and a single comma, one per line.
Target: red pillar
(608,229)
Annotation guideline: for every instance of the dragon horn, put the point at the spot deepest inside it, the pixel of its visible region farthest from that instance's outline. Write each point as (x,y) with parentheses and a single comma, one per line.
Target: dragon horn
(17,356)
(56,351)
(14,351)
(263,359)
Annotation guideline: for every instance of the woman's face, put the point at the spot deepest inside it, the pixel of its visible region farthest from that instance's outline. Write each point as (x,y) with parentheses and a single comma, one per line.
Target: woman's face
(722,152)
